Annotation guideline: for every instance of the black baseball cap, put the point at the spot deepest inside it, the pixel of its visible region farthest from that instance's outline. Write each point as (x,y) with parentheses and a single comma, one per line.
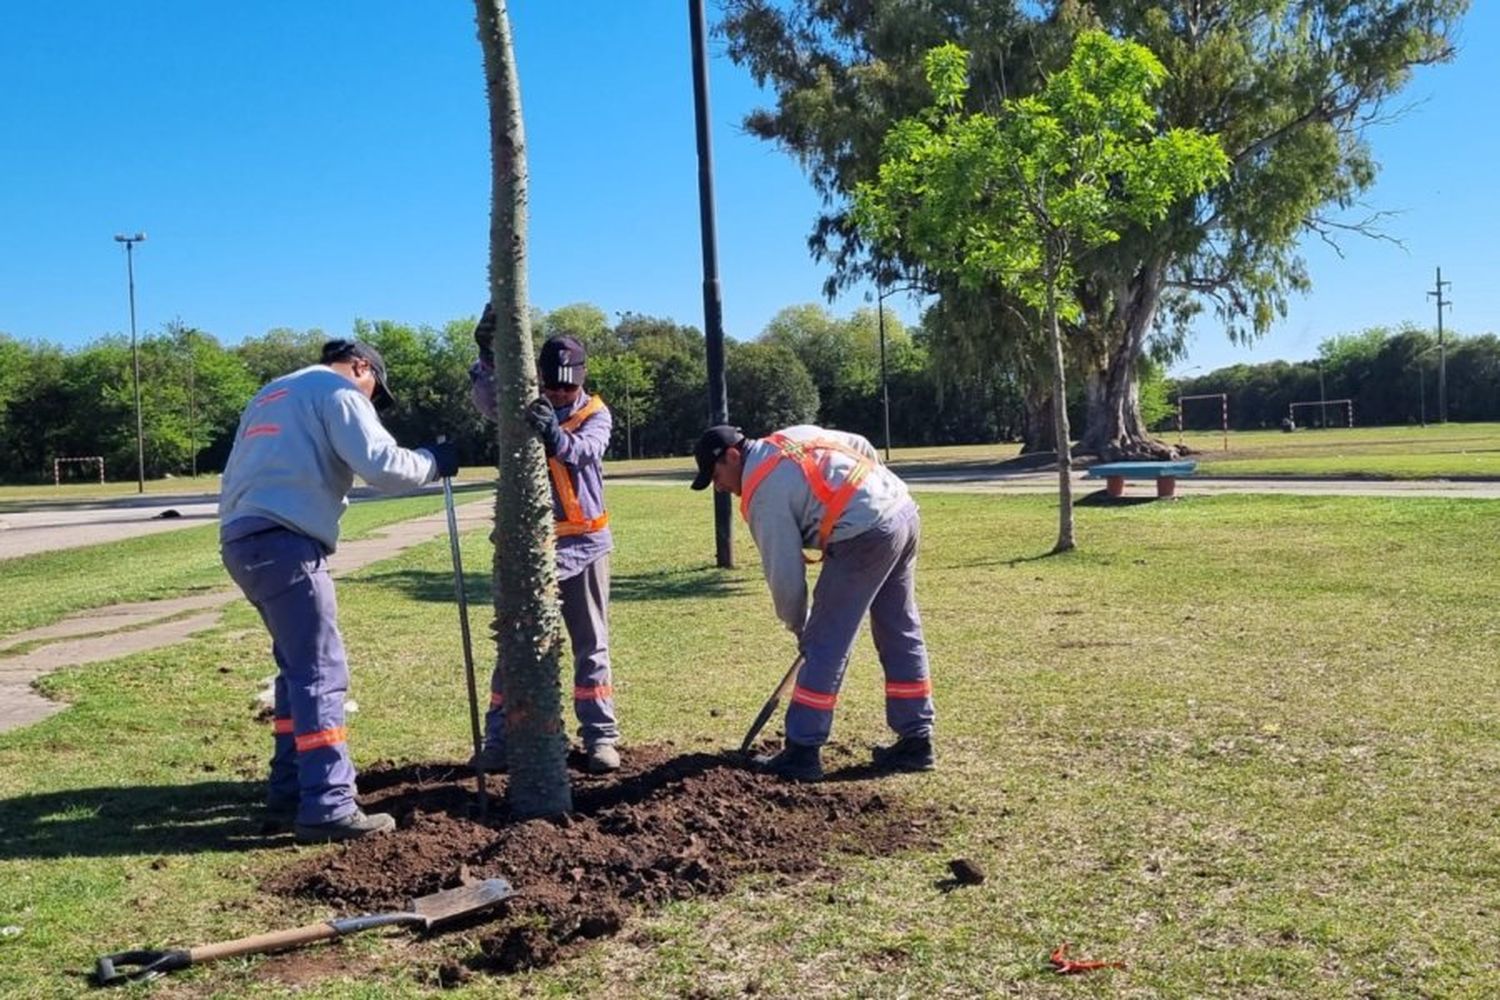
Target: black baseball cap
(343,350)
(563,362)
(714,442)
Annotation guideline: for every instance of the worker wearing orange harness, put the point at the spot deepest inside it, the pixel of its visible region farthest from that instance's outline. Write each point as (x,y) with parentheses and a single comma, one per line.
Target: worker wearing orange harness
(809,488)
(574,428)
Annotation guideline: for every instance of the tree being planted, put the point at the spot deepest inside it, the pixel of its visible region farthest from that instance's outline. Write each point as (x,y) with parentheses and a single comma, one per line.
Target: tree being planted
(1017,198)
(528,623)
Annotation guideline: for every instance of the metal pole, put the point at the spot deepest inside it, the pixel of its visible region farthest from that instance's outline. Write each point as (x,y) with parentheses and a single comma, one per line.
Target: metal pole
(713,309)
(1322,400)
(192,405)
(135,357)
(1442,346)
(1421,393)
(885,388)
(463,628)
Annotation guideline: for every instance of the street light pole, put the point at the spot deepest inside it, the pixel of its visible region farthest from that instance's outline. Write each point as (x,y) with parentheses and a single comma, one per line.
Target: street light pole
(713,309)
(135,358)
(885,388)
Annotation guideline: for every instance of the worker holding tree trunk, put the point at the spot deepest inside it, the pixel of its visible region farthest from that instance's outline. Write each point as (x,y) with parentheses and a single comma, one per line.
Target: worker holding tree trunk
(300,443)
(809,488)
(574,428)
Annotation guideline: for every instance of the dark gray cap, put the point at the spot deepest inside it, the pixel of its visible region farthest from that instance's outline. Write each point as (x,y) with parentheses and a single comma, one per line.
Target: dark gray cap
(343,350)
(710,447)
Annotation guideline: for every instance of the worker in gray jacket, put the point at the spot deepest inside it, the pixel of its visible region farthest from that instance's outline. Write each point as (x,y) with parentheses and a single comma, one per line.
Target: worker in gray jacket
(574,428)
(810,488)
(300,443)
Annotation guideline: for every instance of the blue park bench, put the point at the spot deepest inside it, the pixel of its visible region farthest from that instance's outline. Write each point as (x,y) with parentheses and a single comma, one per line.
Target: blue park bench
(1166,474)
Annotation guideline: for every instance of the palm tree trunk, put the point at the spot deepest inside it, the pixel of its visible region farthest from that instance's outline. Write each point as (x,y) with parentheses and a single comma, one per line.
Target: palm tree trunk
(528,624)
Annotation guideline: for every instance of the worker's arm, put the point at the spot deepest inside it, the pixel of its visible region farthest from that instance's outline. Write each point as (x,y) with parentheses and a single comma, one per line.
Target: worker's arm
(482,388)
(588,443)
(359,438)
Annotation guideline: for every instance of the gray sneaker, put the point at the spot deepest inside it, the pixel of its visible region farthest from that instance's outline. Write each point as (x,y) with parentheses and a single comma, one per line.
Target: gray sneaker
(490,758)
(603,758)
(351,827)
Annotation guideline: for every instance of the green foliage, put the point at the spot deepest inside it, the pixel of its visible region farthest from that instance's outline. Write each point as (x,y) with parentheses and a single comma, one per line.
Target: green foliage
(1010,198)
(1155,394)
(768,388)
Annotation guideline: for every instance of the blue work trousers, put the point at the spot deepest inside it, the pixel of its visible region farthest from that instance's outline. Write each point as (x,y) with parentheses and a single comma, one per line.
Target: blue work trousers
(284,574)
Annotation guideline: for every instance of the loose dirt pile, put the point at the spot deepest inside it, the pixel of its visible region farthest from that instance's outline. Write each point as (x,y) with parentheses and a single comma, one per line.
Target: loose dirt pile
(667,826)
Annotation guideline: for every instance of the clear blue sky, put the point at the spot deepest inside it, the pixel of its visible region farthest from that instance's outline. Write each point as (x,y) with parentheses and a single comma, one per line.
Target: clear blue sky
(304,164)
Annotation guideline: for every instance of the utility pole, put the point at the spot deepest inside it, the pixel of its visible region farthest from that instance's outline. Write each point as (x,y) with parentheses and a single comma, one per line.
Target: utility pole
(1442,304)
(135,357)
(885,388)
(713,307)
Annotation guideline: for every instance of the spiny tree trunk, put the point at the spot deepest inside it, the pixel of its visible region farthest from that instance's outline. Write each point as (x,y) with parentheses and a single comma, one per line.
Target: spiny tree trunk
(1060,420)
(528,624)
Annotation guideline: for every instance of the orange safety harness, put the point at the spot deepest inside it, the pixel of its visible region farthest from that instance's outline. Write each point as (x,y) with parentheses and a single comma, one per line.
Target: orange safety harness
(813,458)
(573,522)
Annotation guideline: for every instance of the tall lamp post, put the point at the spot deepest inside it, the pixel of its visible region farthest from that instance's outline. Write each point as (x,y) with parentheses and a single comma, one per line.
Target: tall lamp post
(135,358)
(713,310)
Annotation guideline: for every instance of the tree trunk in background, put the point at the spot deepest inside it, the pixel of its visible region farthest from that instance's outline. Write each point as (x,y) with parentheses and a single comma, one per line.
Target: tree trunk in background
(1060,419)
(1038,431)
(528,623)
(1113,429)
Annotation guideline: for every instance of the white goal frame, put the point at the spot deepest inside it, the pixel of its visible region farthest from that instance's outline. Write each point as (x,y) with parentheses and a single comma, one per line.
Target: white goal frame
(58,463)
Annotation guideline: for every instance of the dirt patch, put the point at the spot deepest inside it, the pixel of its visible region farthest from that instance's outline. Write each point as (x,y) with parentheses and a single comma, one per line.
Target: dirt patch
(667,826)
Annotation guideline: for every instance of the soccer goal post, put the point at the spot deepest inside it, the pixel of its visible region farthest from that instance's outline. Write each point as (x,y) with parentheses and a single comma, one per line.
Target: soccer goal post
(1222,397)
(58,463)
(1323,404)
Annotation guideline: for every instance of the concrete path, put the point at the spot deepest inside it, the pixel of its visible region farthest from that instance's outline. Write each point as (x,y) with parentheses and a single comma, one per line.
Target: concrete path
(124,629)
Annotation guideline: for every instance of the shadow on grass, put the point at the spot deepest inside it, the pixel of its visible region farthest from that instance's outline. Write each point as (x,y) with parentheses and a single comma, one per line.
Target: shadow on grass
(140,819)
(658,585)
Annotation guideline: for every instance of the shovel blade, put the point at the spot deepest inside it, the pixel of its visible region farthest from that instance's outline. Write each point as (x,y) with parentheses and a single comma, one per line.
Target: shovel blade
(453,903)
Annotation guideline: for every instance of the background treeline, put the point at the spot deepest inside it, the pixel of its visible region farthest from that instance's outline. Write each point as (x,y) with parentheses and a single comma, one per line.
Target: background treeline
(807,365)
(1391,375)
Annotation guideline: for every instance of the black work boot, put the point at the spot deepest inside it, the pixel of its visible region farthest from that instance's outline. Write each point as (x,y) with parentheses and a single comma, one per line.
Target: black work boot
(795,762)
(351,827)
(909,753)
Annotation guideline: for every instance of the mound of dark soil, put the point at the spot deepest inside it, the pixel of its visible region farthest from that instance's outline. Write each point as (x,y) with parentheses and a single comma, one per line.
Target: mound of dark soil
(667,826)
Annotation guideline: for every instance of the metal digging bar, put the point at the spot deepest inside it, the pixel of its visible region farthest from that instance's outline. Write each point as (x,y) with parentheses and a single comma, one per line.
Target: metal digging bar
(463,626)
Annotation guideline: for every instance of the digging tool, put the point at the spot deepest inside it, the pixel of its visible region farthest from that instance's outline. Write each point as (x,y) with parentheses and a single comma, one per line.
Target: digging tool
(463,627)
(425,913)
(782,690)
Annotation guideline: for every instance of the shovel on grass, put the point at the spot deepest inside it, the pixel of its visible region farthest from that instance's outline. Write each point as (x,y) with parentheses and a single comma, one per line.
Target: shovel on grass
(424,913)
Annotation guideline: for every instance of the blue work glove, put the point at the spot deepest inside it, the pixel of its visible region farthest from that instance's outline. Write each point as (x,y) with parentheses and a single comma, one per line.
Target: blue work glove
(484,336)
(543,419)
(445,457)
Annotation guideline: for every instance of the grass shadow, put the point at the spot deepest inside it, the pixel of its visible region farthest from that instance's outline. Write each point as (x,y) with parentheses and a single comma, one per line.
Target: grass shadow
(675,584)
(137,819)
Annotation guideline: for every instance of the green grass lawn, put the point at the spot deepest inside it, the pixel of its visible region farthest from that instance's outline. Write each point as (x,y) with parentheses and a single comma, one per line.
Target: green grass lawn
(1246,745)
(1432,452)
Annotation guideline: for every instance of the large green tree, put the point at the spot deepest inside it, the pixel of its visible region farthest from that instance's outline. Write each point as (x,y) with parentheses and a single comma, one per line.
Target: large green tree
(1289,85)
(1020,198)
(528,622)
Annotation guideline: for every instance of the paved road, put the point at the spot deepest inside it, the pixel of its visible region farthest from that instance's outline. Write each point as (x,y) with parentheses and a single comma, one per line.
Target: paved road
(47,530)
